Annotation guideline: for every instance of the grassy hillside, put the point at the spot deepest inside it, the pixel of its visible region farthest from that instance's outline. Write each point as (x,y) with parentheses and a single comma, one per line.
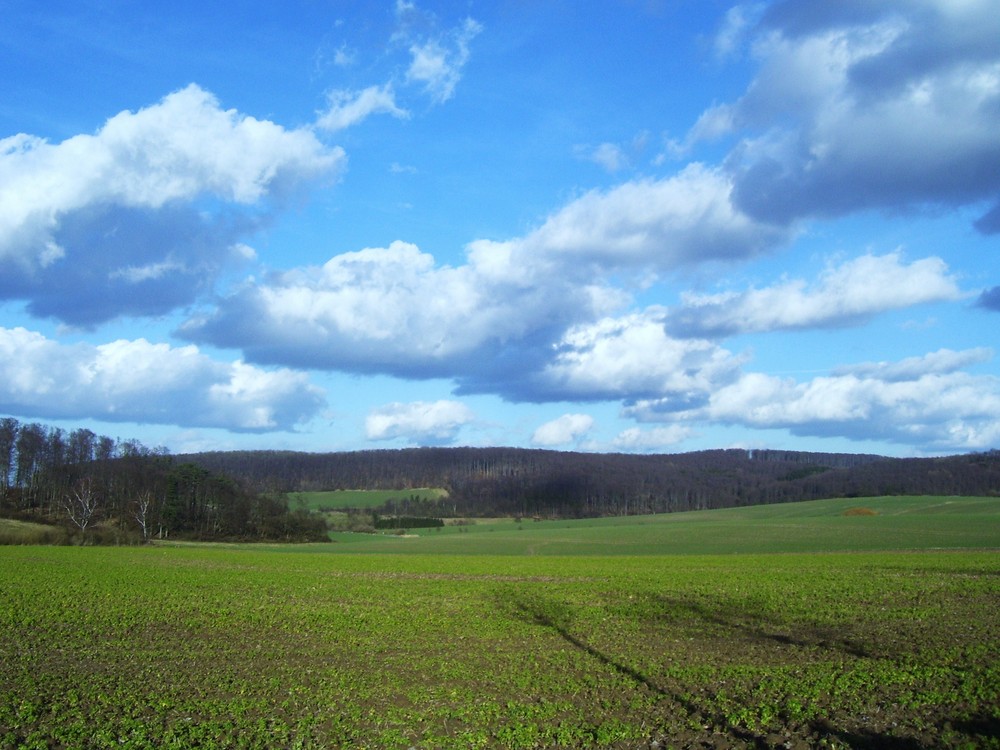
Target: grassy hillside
(898,523)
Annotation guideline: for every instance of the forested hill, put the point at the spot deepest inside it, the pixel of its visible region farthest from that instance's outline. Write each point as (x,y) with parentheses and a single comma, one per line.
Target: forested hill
(512,481)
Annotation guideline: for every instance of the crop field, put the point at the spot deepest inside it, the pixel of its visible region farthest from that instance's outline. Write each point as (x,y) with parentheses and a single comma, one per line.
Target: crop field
(320,646)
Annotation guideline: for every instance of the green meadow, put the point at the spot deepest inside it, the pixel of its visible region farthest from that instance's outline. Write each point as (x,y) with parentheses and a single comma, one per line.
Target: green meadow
(337,499)
(802,625)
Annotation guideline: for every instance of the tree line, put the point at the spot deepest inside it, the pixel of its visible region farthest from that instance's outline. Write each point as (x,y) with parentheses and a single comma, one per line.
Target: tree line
(523,482)
(103,489)
(119,490)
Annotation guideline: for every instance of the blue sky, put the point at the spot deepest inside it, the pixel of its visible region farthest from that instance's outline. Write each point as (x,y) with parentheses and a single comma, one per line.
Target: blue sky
(635,225)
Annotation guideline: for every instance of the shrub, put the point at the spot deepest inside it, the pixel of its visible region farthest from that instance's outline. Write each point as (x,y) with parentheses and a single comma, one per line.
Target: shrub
(16,532)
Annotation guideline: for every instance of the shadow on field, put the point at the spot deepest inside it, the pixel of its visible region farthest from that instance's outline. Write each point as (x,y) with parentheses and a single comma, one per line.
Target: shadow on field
(734,620)
(862,739)
(978,731)
(556,617)
(987,727)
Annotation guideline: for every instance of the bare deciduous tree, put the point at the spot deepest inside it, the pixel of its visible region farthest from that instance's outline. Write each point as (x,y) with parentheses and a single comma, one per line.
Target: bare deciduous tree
(81,504)
(140,511)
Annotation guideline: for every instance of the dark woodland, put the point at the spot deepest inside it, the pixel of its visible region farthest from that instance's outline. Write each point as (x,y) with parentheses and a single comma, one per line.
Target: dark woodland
(520,482)
(97,489)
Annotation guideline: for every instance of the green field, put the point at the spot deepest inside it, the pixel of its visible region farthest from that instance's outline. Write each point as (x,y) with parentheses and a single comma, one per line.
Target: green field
(335,499)
(556,644)
(900,523)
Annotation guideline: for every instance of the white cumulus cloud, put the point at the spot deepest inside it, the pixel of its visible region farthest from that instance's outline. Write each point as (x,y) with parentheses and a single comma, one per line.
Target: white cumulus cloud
(731,36)
(526,317)
(633,357)
(351,107)
(686,219)
(923,401)
(437,63)
(563,430)
(610,156)
(394,310)
(857,106)
(418,422)
(139,381)
(85,222)
(850,293)
(639,440)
